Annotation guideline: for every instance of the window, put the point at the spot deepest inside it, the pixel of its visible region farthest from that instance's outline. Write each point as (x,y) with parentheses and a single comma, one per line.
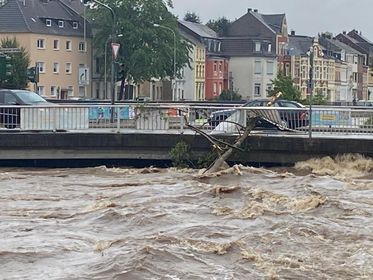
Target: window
(258,46)
(68,45)
(10,99)
(75,25)
(60,23)
(40,44)
(215,66)
(48,22)
(54,90)
(81,91)
(270,65)
(41,90)
(214,90)
(56,67)
(220,66)
(82,46)
(257,92)
(70,91)
(97,64)
(68,68)
(40,66)
(258,67)
(56,44)
(220,88)
(269,48)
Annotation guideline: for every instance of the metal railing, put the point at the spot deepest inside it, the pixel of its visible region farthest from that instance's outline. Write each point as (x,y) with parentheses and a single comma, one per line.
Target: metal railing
(180,117)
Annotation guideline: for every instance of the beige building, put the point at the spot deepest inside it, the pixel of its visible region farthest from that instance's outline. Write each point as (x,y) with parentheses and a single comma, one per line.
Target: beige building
(57,41)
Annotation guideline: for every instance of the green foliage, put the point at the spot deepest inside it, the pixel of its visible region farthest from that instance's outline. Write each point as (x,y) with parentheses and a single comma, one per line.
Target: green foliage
(146,51)
(181,155)
(19,61)
(220,26)
(207,159)
(317,99)
(192,17)
(229,94)
(284,84)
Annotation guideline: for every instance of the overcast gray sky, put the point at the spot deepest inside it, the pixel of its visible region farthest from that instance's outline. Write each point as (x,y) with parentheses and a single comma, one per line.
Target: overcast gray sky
(306,17)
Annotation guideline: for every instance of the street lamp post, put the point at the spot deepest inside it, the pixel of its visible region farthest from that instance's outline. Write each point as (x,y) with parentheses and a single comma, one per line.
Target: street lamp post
(173,86)
(311,86)
(112,40)
(105,63)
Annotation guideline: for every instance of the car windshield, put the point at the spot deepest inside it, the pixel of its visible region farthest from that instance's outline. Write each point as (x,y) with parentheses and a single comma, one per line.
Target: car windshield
(29,97)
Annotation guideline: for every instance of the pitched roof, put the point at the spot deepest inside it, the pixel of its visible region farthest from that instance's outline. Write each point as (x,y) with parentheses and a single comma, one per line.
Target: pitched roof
(299,45)
(30,16)
(240,46)
(11,18)
(343,46)
(274,21)
(361,38)
(199,29)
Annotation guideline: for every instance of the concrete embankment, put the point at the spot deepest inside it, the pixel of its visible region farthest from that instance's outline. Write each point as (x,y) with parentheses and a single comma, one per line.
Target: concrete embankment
(138,149)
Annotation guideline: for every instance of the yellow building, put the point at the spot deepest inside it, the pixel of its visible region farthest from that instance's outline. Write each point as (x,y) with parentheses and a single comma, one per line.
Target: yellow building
(57,41)
(199,64)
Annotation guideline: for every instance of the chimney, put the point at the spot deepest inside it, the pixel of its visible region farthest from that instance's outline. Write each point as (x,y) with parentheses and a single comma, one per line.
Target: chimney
(344,32)
(293,32)
(249,10)
(255,10)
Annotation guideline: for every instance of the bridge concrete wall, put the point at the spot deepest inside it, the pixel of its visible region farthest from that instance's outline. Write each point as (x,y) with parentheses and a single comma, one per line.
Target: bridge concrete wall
(279,150)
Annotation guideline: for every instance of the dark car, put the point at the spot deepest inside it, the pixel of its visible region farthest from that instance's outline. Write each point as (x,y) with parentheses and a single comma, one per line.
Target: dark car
(10,116)
(289,118)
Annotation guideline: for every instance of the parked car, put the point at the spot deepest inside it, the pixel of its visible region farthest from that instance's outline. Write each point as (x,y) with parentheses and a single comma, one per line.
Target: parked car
(290,119)
(10,116)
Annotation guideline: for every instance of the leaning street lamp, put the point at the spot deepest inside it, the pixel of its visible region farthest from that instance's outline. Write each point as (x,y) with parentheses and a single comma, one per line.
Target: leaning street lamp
(173,85)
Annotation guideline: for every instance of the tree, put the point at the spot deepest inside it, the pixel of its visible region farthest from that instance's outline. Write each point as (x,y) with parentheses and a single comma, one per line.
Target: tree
(192,17)
(283,83)
(146,51)
(19,64)
(317,99)
(229,94)
(220,26)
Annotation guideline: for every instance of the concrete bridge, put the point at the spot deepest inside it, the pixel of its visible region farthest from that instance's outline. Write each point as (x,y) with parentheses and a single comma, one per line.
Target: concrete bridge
(148,137)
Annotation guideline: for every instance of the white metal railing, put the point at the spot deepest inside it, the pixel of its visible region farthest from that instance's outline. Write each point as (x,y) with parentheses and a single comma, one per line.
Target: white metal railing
(166,117)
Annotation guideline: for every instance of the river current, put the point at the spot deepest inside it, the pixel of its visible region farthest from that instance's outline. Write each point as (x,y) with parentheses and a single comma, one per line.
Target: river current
(313,221)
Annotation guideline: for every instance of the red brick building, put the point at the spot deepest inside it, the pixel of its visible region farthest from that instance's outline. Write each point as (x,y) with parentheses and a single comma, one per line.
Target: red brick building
(216,76)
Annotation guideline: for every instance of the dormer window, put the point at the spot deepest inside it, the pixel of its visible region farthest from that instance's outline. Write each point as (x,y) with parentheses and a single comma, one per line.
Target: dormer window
(269,48)
(48,22)
(75,25)
(258,46)
(60,23)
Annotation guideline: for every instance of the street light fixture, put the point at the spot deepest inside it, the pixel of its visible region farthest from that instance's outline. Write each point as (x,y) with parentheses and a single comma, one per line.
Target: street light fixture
(112,41)
(105,63)
(173,87)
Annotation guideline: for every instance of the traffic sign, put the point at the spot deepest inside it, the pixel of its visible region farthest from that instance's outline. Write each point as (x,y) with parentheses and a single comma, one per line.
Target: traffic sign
(83,76)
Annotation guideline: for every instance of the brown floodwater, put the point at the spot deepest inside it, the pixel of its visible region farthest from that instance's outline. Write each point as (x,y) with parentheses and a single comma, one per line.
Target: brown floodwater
(313,221)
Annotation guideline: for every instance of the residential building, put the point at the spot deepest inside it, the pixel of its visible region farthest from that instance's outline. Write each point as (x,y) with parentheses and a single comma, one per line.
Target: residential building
(198,81)
(366,49)
(253,44)
(353,60)
(58,41)
(298,64)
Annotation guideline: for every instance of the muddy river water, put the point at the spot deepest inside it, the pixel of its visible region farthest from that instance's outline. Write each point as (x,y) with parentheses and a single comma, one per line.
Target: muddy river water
(313,221)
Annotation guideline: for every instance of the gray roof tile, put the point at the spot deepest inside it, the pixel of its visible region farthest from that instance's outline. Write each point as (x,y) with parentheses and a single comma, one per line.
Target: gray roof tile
(199,29)
(30,16)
